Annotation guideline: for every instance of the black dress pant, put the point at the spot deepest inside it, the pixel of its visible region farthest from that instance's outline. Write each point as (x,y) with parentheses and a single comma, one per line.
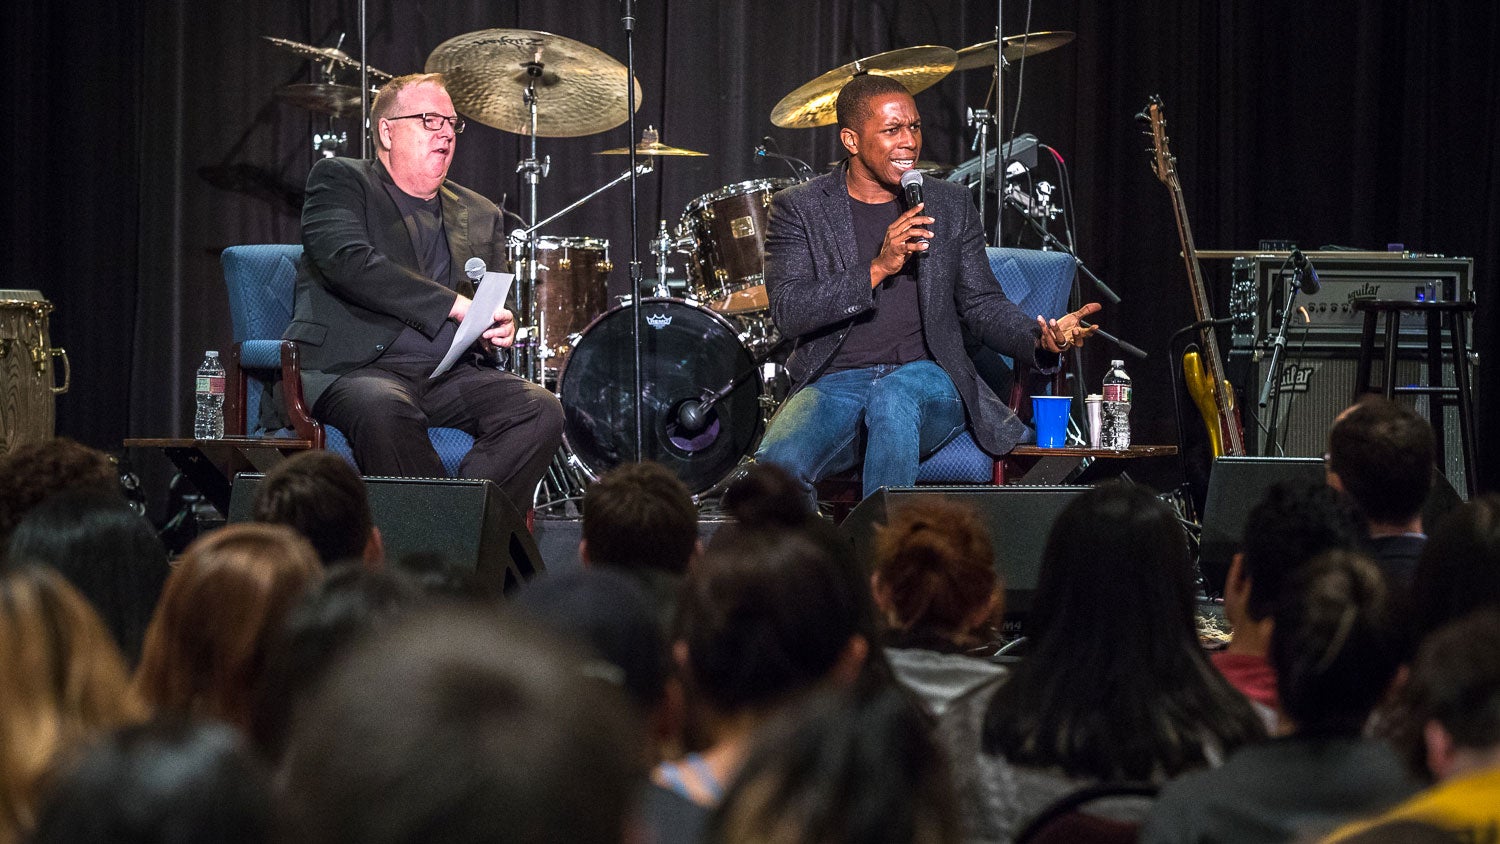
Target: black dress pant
(385,409)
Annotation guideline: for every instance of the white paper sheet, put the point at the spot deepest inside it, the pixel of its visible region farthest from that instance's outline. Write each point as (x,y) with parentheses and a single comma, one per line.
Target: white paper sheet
(493,289)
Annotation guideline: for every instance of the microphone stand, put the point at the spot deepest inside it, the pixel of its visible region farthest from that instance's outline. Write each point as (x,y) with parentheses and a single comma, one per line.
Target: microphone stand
(628,21)
(1051,240)
(1278,346)
(979,119)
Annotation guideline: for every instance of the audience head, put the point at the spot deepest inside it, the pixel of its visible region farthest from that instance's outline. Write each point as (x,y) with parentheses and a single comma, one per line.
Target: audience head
(37,471)
(320,496)
(351,603)
(1295,521)
(61,680)
(1334,646)
(639,516)
(1454,691)
(107,550)
(1380,452)
(458,726)
(228,595)
(1116,684)
(165,782)
(841,768)
(1459,570)
(935,572)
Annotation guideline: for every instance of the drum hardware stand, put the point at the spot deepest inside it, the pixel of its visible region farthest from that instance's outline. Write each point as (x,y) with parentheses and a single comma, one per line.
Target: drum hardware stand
(532,171)
(979,119)
(663,245)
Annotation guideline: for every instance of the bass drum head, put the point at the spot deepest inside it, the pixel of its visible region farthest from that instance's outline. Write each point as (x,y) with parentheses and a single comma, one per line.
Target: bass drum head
(686,351)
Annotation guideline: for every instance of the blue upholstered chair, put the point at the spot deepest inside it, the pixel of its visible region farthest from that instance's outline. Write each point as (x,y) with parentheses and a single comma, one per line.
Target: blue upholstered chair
(261,279)
(1039,282)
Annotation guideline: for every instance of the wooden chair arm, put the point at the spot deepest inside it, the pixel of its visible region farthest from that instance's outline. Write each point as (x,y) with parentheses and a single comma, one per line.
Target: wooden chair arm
(307,428)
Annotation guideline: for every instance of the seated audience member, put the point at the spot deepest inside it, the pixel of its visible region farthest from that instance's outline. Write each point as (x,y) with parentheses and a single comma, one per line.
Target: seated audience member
(165,782)
(62,681)
(842,768)
(1115,687)
(1335,648)
(639,519)
(1459,570)
(1380,453)
(228,595)
(1295,521)
(1454,694)
(107,550)
(352,602)
(320,496)
(457,726)
(773,611)
(33,473)
(935,584)
(608,612)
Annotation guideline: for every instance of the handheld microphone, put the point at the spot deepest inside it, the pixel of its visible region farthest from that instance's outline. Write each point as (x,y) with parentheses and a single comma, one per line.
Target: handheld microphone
(1310,283)
(911,185)
(474,268)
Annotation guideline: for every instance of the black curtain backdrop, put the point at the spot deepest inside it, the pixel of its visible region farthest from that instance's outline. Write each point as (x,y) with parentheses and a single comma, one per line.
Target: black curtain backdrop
(144,138)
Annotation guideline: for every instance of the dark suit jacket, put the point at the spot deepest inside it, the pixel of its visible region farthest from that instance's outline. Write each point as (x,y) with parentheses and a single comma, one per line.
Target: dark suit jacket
(817,285)
(360,282)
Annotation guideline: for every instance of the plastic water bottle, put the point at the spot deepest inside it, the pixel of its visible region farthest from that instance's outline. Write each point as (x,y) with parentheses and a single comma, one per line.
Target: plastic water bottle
(1116,407)
(208,421)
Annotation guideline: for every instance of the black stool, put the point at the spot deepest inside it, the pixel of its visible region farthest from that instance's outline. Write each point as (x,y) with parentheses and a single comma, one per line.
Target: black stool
(1438,395)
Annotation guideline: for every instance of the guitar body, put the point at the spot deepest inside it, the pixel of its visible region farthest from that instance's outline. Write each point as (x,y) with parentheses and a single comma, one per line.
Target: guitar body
(1208,397)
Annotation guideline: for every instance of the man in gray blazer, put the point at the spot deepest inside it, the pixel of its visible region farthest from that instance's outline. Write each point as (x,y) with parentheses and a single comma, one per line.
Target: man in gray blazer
(382,290)
(875,297)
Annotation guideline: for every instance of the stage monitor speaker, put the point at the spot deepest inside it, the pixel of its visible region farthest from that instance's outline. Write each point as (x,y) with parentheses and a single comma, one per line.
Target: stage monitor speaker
(1236,484)
(469,523)
(1017,517)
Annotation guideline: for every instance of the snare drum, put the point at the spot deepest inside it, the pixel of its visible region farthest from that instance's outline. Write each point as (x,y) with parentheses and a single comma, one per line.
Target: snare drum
(728,227)
(572,288)
(27,410)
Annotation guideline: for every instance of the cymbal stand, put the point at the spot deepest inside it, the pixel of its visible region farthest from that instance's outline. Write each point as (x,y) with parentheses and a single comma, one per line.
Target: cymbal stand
(532,170)
(980,119)
(627,20)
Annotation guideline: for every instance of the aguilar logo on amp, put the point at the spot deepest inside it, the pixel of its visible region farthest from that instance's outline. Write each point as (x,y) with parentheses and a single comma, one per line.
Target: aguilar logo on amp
(1295,378)
(1368,290)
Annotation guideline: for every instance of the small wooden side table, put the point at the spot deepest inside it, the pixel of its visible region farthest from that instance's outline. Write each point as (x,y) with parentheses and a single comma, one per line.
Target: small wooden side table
(1036,466)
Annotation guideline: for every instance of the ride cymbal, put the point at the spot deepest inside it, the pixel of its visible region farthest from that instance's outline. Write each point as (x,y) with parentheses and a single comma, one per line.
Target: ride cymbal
(333,54)
(580,90)
(1027,44)
(812,104)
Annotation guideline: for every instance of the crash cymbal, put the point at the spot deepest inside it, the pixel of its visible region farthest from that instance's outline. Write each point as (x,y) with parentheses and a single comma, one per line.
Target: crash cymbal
(307,51)
(337,100)
(580,91)
(917,68)
(651,145)
(1016,46)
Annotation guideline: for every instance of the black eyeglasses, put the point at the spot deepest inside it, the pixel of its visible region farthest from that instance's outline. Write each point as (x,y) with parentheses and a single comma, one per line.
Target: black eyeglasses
(432,121)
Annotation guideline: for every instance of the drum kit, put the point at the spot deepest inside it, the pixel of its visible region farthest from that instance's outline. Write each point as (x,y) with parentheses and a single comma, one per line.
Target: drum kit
(710,359)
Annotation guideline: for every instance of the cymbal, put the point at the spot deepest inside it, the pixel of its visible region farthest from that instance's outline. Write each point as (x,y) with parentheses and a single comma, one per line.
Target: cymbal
(1016,46)
(917,68)
(581,90)
(333,54)
(337,100)
(923,166)
(651,145)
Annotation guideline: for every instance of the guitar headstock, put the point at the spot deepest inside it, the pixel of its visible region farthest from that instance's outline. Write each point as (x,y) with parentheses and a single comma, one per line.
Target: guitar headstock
(1164,165)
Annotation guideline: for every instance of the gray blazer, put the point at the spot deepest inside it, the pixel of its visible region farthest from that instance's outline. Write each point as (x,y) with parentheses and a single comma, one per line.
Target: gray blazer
(360,281)
(817,285)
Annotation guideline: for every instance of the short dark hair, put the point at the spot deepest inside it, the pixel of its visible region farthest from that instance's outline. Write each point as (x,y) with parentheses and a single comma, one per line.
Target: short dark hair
(1459,570)
(36,471)
(390,93)
(1293,522)
(319,495)
(1456,680)
(457,725)
(1382,452)
(1334,646)
(853,103)
(169,781)
(640,516)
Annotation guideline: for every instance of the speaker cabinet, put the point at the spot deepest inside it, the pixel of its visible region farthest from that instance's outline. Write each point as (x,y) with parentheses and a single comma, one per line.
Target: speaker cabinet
(467,522)
(1017,517)
(1235,485)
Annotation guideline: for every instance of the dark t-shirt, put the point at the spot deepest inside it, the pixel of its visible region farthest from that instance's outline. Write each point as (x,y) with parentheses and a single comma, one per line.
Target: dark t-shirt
(891,332)
(424,222)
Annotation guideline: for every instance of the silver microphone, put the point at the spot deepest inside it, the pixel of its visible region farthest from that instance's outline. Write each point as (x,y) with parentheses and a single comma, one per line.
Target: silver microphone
(474,268)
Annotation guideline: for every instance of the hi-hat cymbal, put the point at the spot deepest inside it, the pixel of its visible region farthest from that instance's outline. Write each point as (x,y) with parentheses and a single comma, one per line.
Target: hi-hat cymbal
(657,148)
(580,90)
(1016,46)
(337,100)
(917,68)
(333,54)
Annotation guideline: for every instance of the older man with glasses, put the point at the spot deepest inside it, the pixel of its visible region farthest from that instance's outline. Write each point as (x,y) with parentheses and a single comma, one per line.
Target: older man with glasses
(380,294)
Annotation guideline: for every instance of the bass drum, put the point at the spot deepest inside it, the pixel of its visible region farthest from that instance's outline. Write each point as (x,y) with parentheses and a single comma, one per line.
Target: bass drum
(686,351)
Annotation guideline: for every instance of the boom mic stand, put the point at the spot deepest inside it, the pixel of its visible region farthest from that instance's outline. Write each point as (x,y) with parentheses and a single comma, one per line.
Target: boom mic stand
(628,21)
(1273,372)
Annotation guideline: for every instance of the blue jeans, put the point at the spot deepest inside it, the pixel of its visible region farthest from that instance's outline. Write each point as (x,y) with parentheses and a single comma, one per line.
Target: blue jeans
(908,411)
